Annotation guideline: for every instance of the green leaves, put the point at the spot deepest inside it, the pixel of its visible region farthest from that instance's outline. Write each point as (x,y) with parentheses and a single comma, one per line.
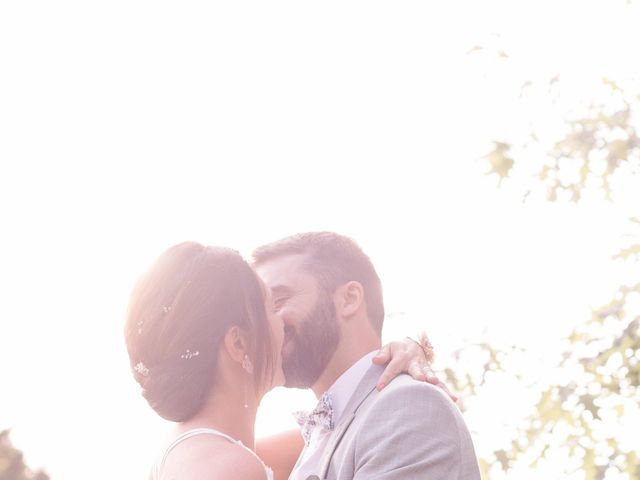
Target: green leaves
(601,359)
(598,152)
(597,143)
(500,163)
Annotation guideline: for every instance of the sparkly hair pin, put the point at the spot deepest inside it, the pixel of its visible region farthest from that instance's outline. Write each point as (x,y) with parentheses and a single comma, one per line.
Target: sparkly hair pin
(188,355)
(141,369)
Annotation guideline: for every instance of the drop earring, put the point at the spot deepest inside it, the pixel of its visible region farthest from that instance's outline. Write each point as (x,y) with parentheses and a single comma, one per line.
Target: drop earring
(248,367)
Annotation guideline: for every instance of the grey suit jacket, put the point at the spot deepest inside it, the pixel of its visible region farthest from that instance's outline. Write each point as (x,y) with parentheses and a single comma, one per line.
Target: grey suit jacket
(409,430)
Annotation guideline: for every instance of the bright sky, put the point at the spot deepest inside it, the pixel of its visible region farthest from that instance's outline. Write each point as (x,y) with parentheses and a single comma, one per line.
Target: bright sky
(126,127)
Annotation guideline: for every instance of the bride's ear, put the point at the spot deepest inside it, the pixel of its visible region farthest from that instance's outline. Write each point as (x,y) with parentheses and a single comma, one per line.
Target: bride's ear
(236,343)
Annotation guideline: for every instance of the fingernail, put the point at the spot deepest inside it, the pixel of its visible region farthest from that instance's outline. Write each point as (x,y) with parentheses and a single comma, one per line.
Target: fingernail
(380,386)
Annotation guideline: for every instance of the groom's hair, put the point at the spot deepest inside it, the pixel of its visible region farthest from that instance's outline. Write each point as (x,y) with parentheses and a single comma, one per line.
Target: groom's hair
(333,260)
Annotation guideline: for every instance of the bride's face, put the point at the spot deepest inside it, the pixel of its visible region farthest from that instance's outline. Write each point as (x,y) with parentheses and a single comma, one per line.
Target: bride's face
(277,327)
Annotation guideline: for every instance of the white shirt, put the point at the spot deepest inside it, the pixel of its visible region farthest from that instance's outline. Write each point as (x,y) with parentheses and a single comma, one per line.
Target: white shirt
(341,392)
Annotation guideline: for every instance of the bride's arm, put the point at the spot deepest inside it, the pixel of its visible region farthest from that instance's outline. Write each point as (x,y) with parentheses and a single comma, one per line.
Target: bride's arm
(409,356)
(280,452)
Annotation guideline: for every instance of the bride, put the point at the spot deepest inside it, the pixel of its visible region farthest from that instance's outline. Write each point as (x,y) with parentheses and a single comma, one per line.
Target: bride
(205,345)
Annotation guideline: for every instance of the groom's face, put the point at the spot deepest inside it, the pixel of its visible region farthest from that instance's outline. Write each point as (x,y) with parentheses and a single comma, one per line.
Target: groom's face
(308,312)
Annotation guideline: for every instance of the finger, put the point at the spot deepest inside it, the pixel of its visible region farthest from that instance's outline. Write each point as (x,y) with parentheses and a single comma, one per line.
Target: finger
(448,392)
(417,372)
(392,371)
(383,356)
(430,375)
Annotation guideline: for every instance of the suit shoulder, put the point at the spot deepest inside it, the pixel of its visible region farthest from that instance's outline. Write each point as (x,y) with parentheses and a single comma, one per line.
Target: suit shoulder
(407,408)
(405,386)
(416,401)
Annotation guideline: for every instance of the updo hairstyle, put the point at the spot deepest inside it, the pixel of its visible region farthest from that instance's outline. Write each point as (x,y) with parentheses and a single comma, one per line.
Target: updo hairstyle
(178,315)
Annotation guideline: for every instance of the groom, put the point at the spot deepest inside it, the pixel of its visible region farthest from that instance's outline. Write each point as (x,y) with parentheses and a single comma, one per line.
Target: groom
(329,297)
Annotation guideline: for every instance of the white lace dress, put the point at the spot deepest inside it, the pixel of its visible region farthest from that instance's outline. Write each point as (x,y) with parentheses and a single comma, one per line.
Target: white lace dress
(157,471)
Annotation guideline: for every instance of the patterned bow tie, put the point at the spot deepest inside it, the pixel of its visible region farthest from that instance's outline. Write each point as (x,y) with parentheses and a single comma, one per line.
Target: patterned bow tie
(321,416)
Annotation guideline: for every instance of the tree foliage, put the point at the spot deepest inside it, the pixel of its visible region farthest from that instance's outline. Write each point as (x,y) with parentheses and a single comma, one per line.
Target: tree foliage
(601,142)
(582,413)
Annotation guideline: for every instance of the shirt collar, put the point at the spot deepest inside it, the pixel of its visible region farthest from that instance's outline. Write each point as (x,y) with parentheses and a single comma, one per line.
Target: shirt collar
(346,384)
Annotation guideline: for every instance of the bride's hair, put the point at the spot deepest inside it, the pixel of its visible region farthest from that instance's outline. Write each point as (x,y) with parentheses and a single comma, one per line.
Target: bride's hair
(178,314)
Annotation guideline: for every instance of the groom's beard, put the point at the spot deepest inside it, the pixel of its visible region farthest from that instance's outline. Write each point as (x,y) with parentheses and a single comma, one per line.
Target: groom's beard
(314,342)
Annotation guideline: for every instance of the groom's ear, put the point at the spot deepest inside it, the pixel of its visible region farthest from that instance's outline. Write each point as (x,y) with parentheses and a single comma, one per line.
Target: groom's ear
(349,299)
(236,344)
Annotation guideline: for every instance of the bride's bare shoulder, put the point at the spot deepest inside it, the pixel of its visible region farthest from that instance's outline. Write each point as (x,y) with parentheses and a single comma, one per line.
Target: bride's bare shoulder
(210,457)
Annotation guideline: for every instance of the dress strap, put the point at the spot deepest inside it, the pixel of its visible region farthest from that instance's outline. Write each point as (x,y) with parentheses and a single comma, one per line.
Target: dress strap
(201,431)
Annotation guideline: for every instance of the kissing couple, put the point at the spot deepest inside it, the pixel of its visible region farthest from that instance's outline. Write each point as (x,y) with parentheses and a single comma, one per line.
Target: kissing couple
(208,334)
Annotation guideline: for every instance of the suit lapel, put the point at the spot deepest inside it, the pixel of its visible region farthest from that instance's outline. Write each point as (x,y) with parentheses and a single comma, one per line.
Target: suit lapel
(366,386)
